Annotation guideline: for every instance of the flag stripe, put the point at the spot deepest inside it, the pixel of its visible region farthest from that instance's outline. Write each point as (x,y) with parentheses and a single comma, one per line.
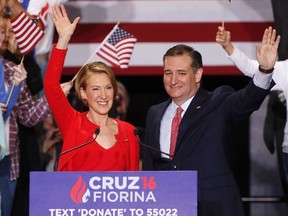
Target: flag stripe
(128,42)
(109,50)
(119,42)
(150,54)
(171,11)
(169,32)
(108,58)
(27,36)
(33,41)
(44,14)
(27,33)
(109,55)
(160,24)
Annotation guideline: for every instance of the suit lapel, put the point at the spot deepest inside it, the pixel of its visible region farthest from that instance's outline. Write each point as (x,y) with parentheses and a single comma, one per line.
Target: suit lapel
(191,115)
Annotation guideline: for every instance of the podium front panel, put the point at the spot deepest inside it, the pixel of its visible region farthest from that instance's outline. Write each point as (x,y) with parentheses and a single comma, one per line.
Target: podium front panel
(143,193)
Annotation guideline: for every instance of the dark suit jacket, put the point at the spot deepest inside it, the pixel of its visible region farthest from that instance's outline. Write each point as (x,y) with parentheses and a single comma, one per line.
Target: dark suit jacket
(204,137)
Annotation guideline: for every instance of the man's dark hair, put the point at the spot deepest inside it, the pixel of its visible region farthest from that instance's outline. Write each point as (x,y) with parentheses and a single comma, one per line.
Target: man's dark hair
(182,49)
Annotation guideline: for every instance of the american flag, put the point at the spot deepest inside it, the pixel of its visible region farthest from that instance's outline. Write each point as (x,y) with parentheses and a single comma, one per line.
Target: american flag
(118,48)
(161,24)
(44,14)
(27,33)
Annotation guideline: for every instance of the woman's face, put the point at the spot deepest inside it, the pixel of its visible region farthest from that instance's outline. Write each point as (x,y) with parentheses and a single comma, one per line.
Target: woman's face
(9,36)
(99,93)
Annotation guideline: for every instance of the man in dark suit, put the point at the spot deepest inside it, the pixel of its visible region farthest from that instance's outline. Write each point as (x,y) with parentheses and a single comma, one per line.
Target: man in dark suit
(206,125)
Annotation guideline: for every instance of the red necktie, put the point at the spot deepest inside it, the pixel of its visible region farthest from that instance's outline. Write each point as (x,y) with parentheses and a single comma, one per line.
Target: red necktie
(174,130)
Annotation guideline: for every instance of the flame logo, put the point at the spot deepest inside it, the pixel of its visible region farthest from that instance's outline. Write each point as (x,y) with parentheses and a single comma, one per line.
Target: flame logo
(79,192)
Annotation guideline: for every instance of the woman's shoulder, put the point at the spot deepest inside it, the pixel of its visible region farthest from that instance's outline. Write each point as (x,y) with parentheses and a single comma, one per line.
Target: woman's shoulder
(124,125)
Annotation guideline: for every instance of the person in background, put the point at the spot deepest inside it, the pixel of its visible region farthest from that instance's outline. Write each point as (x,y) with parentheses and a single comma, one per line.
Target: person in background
(121,102)
(27,135)
(8,99)
(52,143)
(112,143)
(28,112)
(15,7)
(194,128)
(249,67)
(274,125)
(10,50)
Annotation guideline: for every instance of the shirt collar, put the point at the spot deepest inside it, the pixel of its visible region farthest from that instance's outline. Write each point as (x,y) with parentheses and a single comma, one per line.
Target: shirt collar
(184,106)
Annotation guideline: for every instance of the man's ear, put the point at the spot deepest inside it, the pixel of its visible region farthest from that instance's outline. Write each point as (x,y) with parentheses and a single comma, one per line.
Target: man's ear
(198,75)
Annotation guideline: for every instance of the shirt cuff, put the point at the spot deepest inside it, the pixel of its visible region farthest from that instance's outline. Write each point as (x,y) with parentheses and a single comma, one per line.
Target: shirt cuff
(262,80)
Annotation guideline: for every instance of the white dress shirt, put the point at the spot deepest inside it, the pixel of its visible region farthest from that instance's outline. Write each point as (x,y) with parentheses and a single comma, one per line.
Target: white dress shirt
(166,123)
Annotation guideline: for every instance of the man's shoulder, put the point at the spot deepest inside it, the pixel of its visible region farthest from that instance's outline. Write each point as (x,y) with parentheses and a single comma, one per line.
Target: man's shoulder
(160,105)
(223,90)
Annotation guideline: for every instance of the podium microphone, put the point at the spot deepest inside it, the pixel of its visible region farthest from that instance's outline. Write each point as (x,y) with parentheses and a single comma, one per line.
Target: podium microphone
(136,133)
(97,131)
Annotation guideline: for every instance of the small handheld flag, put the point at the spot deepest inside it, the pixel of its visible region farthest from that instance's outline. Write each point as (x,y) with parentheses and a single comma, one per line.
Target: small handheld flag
(43,15)
(27,33)
(118,48)
(9,98)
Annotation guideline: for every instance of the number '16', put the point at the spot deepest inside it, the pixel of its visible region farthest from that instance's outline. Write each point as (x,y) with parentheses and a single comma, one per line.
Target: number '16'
(149,183)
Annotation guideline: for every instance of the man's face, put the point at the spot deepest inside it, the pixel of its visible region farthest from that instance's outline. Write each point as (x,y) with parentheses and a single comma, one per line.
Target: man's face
(180,82)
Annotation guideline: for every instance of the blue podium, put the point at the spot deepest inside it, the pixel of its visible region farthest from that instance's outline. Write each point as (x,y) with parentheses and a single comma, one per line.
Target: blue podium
(143,193)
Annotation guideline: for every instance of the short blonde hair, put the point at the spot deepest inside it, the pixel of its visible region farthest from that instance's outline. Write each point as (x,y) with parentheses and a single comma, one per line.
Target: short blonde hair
(90,69)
